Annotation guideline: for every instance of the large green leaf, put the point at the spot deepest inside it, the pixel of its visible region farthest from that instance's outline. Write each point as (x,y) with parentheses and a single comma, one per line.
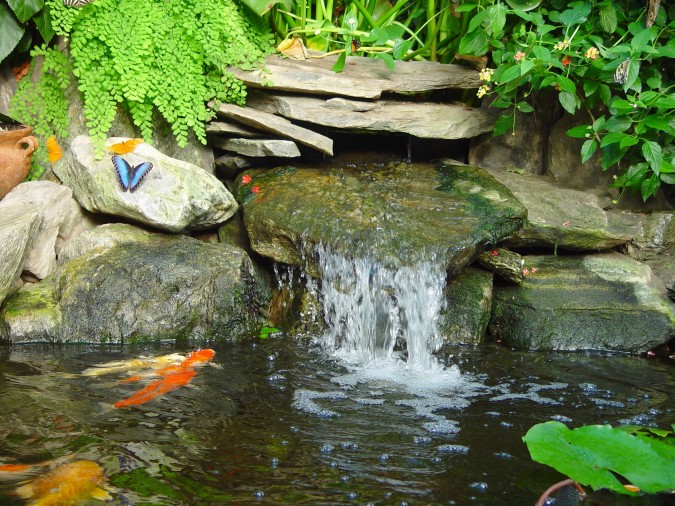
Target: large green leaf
(25,9)
(594,455)
(10,32)
(43,21)
(260,7)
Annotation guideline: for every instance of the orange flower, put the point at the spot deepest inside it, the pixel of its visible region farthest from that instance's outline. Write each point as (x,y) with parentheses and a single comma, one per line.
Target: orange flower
(566,60)
(255,189)
(245,179)
(494,252)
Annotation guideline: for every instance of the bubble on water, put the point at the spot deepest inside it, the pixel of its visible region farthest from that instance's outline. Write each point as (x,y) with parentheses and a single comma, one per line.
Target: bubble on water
(344,478)
(604,403)
(374,402)
(479,485)
(588,387)
(284,442)
(258,494)
(422,440)
(436,460)
(384,457)
(352,496)
(458,449)
(349,445)
(303,400)
(493,413)
(506,425)
(561,418)
(326,448)
(503,455)
(441,427)
(274,462)
(276,377)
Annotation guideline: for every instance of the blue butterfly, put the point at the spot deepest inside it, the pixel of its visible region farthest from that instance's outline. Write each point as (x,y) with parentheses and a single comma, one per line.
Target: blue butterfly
(130,177)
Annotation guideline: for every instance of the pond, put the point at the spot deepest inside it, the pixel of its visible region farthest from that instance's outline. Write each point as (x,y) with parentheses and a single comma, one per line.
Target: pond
(279,421)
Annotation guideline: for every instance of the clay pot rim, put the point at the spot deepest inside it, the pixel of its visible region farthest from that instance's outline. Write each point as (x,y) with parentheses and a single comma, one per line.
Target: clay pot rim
(12,127)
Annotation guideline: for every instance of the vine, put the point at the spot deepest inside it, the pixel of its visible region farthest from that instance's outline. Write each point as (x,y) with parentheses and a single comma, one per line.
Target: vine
(42,102)
(165,55)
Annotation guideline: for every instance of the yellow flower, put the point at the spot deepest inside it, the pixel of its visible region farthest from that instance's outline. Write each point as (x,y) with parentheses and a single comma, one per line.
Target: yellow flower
(486,74)
(482,91)
(562,45)
(592,53)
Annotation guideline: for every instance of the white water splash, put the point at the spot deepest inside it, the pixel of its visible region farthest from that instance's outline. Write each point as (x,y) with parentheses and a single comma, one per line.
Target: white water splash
(369,309)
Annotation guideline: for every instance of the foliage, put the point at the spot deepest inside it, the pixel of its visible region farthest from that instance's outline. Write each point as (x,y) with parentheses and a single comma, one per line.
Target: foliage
(423,29)
(611,59)
(156,55)
(22,24)
(604,457)
(51,117)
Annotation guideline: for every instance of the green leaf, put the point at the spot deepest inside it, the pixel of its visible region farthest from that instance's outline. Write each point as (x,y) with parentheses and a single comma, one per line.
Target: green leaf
(541,52)
(607,17)
(628,141)
(590,87)
(653,154)
(509,74)
(503,124)
(576,15)
(568,101)
(612,138)
(477,21)
(649,187)
(658,123)
(641,40)
(474,43)
(605,94)
(526,66)
(339,65)
(25,9)
(497,16)
(266,332)
(599,123)
(580,132)
(525,107)
(594,454)
(401,48)
(43,21)
(588,149)
(617,124)
(566,84)
(465,7)
(387,58)
(10,32)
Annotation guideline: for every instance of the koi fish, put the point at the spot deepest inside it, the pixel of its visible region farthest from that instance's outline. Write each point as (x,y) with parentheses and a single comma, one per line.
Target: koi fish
(171,377)
(69,484)
(54,152)
(157,388)
(119,366)
(122,148)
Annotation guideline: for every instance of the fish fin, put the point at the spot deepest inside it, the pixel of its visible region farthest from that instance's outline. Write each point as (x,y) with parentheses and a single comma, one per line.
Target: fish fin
(104,409)
(101,494)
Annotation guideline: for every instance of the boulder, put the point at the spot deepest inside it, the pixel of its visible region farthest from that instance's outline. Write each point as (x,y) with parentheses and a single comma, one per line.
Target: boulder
(259,147)
(420,119)
(18,226)
(468,299)
(396,213)
(606,302)
(103,238)
(561,218)
(167,288)
(175,196)
(62,219)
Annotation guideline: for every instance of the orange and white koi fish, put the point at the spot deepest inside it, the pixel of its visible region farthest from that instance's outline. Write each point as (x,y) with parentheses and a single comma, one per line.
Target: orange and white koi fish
(120,366)
(69,484)
(159,387)
(171,377)
(122,148)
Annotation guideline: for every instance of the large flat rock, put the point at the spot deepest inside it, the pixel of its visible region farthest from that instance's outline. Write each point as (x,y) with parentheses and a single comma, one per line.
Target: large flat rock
(395,214)
(424,120)
(361,77)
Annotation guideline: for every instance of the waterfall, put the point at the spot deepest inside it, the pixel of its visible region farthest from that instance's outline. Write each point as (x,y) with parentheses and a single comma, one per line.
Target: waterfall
(370,309)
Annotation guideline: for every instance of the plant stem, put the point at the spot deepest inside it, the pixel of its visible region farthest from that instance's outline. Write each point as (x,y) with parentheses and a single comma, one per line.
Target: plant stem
(366,15)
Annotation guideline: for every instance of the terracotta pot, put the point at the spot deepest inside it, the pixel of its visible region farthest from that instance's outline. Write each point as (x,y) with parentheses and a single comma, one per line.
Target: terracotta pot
(16,148)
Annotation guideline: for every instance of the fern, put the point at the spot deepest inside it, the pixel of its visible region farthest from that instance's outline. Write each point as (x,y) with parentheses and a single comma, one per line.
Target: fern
(168,55)
(42,103)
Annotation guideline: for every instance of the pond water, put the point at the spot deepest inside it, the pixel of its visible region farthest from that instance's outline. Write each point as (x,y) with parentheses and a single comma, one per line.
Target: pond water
(279,421)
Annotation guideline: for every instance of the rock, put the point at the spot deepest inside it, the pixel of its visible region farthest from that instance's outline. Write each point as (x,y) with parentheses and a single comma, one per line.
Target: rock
(506,264)
(62,219)
(227,128)
(395,213)
(560,218)
(276,125)
(425,120)
(259,147)
(603,302)
(175,196)
(18,226)
(231,165)
(361,77)
(468,299)
(173,287)
(8,86)
(657,233)
(32,315)
(103,238)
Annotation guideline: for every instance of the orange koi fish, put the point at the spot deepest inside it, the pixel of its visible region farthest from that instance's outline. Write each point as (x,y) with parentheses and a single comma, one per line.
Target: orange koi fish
(69,484)
(157,388)
(117,366)
(122,148)
(54,152)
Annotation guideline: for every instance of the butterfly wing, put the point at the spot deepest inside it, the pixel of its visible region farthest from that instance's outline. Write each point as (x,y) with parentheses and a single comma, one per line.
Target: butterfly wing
(123,171)
(140,171)
(54,152)
(122,148)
